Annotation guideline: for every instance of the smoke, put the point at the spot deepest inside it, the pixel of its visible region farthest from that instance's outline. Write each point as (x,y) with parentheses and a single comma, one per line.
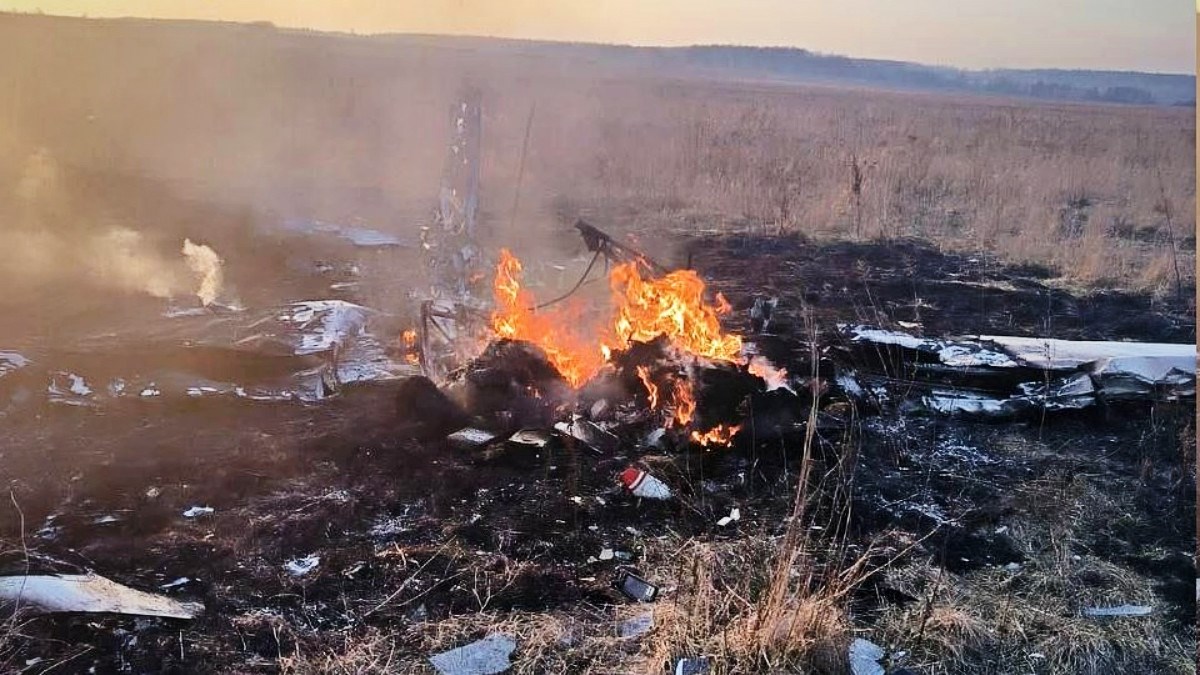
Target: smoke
(120,258)
(51,240)
(206,264)
(776,378)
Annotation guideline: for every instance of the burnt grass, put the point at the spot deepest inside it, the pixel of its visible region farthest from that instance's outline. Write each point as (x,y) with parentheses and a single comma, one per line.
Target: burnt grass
(411,531)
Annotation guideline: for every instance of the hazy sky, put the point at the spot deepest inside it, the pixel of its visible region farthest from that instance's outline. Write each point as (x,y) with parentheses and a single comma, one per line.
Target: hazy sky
(1154,35)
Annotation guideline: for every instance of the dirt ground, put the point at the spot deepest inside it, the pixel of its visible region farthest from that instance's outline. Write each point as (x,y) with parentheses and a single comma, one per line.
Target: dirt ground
(983,540)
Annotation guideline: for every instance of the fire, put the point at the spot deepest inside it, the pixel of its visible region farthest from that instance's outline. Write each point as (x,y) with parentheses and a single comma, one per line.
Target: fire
(651,389)
(723,306)
(516,318)
(672,306)
(718,435)
(683,403)
(408,340)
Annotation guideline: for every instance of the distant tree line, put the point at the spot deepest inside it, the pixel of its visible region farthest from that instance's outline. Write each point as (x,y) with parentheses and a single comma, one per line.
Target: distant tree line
(1066,85)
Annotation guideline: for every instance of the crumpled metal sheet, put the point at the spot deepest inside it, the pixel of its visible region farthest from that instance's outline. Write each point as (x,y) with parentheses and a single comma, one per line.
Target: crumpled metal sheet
(301,351)
(1003,376)
(49,593)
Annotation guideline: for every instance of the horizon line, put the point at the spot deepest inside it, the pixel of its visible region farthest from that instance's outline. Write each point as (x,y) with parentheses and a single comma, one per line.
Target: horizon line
(618,45)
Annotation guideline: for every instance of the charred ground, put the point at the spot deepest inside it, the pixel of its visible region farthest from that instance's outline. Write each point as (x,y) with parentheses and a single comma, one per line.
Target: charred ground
(423,546)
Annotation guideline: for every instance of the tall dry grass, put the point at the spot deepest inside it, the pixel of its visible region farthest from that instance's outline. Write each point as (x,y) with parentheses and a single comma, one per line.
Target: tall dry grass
(284,123)
(1104,194)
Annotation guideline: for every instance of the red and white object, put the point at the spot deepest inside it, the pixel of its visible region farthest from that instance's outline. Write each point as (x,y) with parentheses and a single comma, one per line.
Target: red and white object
(644,485)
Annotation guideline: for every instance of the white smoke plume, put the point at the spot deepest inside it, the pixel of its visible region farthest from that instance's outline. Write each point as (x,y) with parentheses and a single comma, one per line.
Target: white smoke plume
(50,240)
(776,378)
(206,265)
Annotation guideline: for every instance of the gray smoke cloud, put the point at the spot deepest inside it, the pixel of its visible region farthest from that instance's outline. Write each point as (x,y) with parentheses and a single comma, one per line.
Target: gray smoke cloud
(52,242)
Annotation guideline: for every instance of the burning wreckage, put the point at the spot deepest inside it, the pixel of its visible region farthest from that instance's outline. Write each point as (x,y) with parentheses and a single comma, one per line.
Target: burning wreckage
(660,371)
(655,368)
(653,351)
(643,367)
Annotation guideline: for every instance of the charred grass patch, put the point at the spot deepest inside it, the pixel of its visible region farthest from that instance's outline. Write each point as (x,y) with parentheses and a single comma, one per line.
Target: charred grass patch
(960,547)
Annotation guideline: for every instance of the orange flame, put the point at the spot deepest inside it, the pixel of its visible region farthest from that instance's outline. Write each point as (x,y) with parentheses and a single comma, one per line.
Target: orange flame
(409,340)
(652,389)
(718,435)
(723,306)
(683,402)
(672,306)
(516,319)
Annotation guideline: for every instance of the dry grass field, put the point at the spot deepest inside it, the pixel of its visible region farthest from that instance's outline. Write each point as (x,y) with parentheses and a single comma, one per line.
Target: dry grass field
(1105,195)
(278,123)
(220,132)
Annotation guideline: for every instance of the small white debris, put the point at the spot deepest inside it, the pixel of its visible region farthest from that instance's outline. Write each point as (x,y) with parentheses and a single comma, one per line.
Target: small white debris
(421,613)
(470,438)
(1122,610)
(78,385)
(301,566)
(536,438)
(177,583)
(1013,567)
(485,657)
(735,514)
(197,511)
(104,520)
(656,438)
(644,485)
(865,657)
(606,554)
(1002,529)
(636,626)
(692,666)
(599,409)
